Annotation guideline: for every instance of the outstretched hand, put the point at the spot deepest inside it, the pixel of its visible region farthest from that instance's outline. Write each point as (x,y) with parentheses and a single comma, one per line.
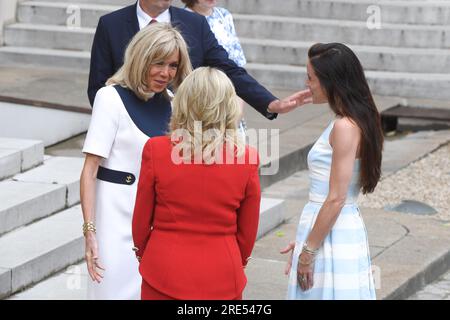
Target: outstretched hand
(287,104)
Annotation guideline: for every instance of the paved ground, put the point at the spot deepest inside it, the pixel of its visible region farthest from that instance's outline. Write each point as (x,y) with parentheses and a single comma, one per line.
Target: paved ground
(33,85)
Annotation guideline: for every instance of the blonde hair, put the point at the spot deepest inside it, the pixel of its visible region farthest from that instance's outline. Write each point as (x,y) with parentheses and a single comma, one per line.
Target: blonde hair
(206,95)
(153,44)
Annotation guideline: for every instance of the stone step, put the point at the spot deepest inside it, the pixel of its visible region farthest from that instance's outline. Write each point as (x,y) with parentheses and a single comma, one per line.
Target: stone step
(372,57)
(120,3)
(65,14)
(408,12)
(351,32)
(254,27)
(60,171)
(69,284)
(49,36)
(45,57)
(39,192)
(32,253)
(22,203)
(102,2)
(18,155)
(272,214)
(39,118)
(403,84)
(69,13)
(260,51)
(10,162)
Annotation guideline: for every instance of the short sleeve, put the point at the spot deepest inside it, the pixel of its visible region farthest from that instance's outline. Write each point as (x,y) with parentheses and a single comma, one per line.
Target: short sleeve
(104,123)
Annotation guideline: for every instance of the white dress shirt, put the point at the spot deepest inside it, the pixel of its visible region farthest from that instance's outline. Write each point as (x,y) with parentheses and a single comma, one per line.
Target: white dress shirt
(144,19)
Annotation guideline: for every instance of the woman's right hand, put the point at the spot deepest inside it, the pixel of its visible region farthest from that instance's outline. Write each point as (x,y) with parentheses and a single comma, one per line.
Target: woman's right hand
(91,256)
(290,248)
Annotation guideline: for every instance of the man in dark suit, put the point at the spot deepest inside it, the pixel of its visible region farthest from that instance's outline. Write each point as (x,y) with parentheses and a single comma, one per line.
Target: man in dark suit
(115,30)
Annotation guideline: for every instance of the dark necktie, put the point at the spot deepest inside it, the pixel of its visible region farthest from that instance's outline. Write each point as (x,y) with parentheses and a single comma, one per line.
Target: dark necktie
(152,21)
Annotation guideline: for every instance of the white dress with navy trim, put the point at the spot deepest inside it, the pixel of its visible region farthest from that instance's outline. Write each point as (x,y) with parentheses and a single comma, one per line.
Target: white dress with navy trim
(342,269)
(120,126)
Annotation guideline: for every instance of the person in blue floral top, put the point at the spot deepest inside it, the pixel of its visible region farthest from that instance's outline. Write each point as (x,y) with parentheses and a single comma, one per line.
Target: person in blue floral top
(221,23)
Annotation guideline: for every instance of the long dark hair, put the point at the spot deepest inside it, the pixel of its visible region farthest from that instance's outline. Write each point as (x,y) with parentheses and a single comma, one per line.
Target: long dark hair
(342,78)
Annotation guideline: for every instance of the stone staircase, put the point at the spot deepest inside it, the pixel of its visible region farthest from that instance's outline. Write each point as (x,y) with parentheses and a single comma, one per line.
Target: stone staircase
(40,215)
(407,57)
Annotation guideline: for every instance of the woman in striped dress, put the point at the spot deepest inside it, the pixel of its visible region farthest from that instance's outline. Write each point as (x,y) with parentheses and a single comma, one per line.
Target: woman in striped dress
(330,258)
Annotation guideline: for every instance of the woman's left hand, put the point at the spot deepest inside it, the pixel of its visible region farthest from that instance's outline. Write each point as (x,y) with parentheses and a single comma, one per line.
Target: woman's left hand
(305,271)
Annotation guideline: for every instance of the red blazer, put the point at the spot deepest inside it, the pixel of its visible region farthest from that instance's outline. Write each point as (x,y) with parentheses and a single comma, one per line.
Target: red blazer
(205,220)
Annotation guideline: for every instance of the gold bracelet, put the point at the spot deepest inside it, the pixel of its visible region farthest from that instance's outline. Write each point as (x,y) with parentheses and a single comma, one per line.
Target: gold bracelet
(306,249)
(88,226)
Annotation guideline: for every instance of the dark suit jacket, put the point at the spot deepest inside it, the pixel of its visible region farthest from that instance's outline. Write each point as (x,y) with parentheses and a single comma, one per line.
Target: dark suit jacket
(115,30)
(195,225)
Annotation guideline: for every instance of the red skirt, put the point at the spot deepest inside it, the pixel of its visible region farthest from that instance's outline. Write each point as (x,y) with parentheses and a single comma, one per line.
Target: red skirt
(150,293)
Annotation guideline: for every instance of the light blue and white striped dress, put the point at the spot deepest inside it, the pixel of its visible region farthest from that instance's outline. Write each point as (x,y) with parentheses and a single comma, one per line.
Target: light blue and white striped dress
(342,268)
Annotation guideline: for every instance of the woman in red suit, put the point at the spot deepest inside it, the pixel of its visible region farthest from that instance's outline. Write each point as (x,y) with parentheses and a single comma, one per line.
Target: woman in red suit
(197,205)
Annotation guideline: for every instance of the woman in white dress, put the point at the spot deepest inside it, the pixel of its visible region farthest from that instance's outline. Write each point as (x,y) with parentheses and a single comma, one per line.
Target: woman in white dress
(331,257)
(133,107)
